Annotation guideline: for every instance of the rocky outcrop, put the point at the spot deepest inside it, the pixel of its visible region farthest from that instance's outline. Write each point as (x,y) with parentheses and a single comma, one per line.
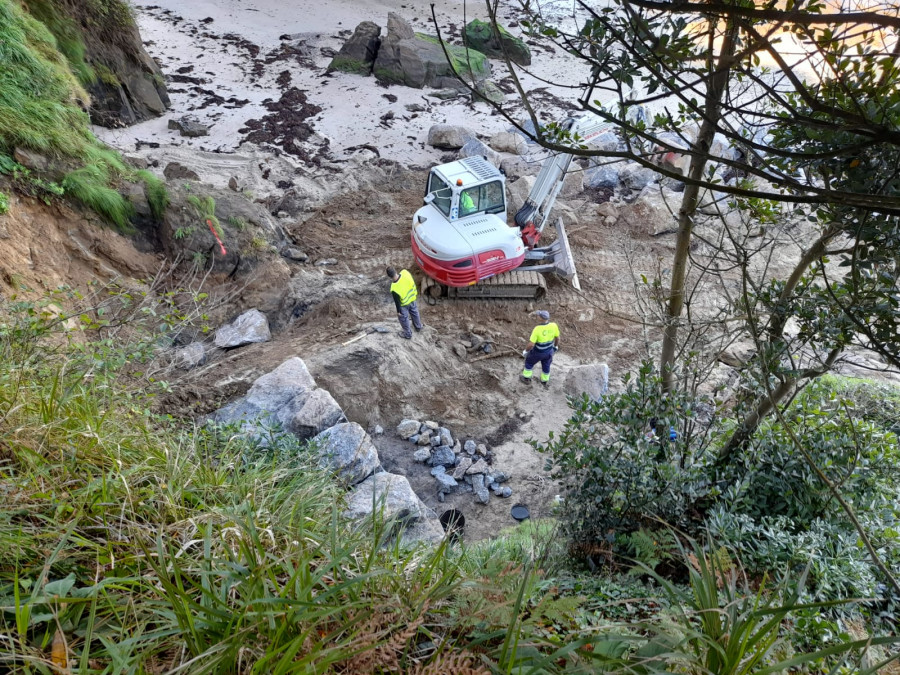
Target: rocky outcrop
(106,54)
(496,42)
(357,54)
(288,401)
(418,60)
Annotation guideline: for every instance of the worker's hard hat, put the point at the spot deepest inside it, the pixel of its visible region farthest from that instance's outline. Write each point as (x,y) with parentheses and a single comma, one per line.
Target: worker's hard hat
(544,314)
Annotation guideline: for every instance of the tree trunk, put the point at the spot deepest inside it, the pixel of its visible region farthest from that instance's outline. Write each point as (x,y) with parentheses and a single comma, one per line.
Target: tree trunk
(689,201)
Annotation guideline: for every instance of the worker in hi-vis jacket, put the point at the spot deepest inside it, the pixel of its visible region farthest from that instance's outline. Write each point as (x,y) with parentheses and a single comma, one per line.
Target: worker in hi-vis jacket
(403,290)
(542,345)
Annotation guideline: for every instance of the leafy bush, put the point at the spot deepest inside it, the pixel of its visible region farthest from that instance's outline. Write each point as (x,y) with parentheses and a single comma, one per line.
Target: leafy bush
(618,477)
(4,203)
(776,511)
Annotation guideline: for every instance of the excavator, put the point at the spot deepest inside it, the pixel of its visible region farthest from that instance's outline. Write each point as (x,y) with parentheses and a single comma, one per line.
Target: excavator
(460,236)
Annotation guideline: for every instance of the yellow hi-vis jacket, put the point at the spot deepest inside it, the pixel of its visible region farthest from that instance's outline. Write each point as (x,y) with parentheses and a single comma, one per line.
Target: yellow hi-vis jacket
(542,336)
(404,289)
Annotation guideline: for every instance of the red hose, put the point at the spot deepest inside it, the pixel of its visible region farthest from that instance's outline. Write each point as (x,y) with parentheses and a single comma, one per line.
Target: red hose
(216,235)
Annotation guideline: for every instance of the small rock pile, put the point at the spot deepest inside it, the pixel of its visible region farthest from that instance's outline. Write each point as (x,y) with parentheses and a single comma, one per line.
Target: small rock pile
(457,467)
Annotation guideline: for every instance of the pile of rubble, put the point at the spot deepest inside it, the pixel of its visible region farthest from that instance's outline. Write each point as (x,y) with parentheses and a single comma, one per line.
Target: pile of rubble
(457,467)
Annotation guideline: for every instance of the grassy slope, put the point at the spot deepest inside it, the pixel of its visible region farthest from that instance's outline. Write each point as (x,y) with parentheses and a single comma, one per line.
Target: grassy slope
(133,543)
(40,109)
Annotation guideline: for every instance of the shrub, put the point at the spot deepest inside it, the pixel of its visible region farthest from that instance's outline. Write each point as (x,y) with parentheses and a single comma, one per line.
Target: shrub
(4,203)
(617,478)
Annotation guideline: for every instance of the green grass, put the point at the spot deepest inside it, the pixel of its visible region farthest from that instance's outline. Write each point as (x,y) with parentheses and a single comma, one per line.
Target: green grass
(142,544)
(68,37)
(88,185)
(39,103)
(157,194)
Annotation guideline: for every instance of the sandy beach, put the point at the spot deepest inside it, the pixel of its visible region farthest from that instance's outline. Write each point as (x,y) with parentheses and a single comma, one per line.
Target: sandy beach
(225,61)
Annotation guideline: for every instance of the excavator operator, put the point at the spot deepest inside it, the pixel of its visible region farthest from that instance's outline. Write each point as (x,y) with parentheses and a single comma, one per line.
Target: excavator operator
(542,345)
(466,203)
(403,290)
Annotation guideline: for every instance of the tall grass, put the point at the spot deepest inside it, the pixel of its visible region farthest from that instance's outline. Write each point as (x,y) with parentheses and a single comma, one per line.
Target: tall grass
(132,542)
(157,194)
(87,186)
(40,105)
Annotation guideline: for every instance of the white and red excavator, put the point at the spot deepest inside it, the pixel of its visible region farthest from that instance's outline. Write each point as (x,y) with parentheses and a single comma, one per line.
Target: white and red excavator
(461,240)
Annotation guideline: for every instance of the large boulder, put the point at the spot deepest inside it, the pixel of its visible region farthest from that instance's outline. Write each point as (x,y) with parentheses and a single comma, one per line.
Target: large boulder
(605,176)
(636,177)
(288,386)
(319,412)
(347,450)
(251,326)
(423,531)
(418,60)
(475,148)
(592,379)
(449,136)
(507,141)
(388,494)
(358,53)
(655,210)
(496,42)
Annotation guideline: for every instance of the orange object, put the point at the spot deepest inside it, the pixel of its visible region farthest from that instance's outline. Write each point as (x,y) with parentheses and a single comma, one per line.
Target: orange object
(216,235)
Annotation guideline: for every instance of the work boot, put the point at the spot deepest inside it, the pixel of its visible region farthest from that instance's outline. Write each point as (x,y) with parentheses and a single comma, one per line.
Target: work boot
(405,336)
(545,384)
(419,329)
(525,380)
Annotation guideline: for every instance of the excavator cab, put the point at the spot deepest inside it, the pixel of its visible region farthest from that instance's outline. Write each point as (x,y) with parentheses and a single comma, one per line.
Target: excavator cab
(466,188)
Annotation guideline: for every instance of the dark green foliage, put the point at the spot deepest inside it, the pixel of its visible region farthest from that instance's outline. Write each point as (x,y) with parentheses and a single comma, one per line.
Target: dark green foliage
(88,185)
(619,479)
(776,512)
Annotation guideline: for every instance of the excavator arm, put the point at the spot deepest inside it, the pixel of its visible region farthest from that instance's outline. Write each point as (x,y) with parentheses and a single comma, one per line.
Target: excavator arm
(534,214)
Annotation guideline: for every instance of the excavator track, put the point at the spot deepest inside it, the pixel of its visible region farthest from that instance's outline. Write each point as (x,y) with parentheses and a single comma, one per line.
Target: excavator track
(517,285)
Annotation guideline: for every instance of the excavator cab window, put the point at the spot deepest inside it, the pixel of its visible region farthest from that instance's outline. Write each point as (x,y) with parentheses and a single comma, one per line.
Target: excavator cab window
(487,198)
(442,193)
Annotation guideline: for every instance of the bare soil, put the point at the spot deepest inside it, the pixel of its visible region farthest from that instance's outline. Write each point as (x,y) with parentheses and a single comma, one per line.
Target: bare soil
(380,378)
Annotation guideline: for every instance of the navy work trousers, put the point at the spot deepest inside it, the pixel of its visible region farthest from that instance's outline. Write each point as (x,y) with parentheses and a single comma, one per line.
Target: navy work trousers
(412,309)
